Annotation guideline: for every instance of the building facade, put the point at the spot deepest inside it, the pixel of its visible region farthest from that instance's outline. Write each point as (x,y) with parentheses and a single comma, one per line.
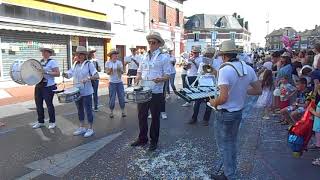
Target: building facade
(273,40)
(129,24)
(309,38)
(166,17)
(210,30)
(27,25)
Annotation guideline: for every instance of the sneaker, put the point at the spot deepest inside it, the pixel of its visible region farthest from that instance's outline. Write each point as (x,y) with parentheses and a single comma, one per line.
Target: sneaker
(149,117)
(205,123)
(79,131)
(38,125)
(123,114)
(89,133)
(153,147)
(96,110)
(138,143)
(52,125)
(111,115)
(164,115)
(186,104)
(192,121)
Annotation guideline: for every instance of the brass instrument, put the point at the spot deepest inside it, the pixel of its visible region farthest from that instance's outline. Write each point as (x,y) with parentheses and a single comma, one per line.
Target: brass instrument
(207,69)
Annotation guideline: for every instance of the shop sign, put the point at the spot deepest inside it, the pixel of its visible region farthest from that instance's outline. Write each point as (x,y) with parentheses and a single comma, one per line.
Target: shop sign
(75,40)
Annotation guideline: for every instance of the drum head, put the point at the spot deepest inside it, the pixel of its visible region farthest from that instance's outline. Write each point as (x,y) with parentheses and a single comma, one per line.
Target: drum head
(15,73)
(71,90)
(148,83)
(31,72)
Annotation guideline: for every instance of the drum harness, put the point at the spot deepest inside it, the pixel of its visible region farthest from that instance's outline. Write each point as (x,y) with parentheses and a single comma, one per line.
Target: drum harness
(43,82)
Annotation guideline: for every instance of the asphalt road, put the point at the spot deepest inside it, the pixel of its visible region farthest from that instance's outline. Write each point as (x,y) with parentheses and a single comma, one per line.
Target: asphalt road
(185,151)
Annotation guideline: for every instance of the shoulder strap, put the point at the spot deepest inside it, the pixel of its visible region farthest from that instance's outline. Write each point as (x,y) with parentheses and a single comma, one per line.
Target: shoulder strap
(241,73)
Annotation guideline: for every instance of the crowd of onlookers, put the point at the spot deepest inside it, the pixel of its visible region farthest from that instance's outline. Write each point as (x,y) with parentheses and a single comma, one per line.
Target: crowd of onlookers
(290,79)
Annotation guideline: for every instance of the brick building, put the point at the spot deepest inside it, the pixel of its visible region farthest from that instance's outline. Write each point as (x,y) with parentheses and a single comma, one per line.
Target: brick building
(273,40)
(166,17)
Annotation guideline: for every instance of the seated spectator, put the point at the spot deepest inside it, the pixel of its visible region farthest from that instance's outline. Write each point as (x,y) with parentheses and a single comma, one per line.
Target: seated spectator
(292,113)
(286,92)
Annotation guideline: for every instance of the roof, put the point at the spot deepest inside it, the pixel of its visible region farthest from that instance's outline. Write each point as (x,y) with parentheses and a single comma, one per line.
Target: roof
(208,21)
(281,31)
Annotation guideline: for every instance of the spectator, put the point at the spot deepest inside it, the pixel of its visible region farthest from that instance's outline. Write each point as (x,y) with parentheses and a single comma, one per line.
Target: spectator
(292,113)
(286,92)
(315,77)
(302,57)
(265,99)
(316,124)
(317,55)
(286,67)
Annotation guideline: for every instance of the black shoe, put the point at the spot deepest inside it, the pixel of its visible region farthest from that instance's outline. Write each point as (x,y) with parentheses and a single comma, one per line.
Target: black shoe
(205,123)
(138,143)
(219,177)
(153,146)
(192,121)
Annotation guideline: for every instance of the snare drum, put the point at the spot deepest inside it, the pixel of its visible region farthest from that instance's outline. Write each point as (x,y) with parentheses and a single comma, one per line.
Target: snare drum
(138,94)
(29,72)
(69,95)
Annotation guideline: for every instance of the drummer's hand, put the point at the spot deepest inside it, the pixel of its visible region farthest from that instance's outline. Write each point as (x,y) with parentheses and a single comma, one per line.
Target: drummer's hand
(157,80)
(213,103)
(86,80)
(65,75)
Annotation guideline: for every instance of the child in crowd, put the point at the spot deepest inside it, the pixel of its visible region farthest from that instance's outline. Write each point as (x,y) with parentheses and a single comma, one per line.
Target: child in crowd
(292,113)
(316,128)
(286,92)
(265,99)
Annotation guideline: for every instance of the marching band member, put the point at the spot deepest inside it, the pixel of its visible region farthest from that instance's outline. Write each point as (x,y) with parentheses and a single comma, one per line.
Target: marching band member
(133,63)
(114,69)
(95,83)
(83,72)
(236,80)
(44,89)
(207,60)
(173,72)
(155,66)
(192,66)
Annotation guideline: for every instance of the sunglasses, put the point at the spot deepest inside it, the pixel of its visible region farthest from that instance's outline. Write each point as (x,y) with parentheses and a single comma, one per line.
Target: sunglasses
(152,42)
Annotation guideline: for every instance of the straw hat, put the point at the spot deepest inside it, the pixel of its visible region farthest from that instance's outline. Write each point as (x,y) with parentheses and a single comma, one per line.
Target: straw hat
(209,50)
(196,49)
(113,51)
(133,47)
(228,47)
(306,69)
(81,50)
(92,49)
(47,48)
(157,36)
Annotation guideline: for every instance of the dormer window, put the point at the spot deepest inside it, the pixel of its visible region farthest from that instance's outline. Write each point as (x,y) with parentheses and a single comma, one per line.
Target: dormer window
(196,24)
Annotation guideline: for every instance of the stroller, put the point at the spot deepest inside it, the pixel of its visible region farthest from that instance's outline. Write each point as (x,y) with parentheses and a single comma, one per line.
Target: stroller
(300,133)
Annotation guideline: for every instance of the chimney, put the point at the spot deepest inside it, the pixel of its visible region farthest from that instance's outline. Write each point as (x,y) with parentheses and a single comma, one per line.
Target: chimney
(241,20)
(246,25)
(234,15)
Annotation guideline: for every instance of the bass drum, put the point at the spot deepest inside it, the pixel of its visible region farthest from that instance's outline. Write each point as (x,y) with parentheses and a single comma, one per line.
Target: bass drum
(29,72)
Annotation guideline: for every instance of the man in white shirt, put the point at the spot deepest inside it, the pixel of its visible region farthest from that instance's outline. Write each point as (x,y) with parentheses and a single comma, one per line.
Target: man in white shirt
(317,56)
(192,67)
(156,67)
(236,80)
(133,63)
(205,80)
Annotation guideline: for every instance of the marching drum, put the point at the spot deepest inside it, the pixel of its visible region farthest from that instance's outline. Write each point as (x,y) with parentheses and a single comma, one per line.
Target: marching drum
(29,72)
(138,94)
(69,95)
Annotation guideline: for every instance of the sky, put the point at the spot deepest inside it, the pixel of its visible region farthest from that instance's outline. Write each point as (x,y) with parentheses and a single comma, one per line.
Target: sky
(299,14)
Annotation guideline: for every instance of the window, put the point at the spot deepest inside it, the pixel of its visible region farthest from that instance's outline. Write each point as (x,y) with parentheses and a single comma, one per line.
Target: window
(177,17)
(232,35)
(139,22)
(162,12)
(118,14)
(196,36)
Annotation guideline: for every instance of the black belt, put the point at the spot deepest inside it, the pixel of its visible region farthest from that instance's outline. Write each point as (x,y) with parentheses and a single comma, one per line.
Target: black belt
(225,110)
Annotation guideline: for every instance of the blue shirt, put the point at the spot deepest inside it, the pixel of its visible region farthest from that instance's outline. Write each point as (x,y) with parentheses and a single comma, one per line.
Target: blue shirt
(48,68)
(316,120)
(285,71)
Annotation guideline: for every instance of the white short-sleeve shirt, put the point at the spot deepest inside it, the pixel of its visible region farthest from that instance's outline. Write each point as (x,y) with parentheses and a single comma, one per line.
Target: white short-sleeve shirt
(194,66)
(238,86)
(155,65)
(114,77)
(48,68)
(81,71)
(132,64)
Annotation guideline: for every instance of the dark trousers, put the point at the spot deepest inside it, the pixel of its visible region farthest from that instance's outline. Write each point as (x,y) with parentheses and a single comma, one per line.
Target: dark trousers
(95,85)
(183,77)
(131,72)
(155,106)
(191,79)
(196,109)
(46,94)
(85,104)
(163,100)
